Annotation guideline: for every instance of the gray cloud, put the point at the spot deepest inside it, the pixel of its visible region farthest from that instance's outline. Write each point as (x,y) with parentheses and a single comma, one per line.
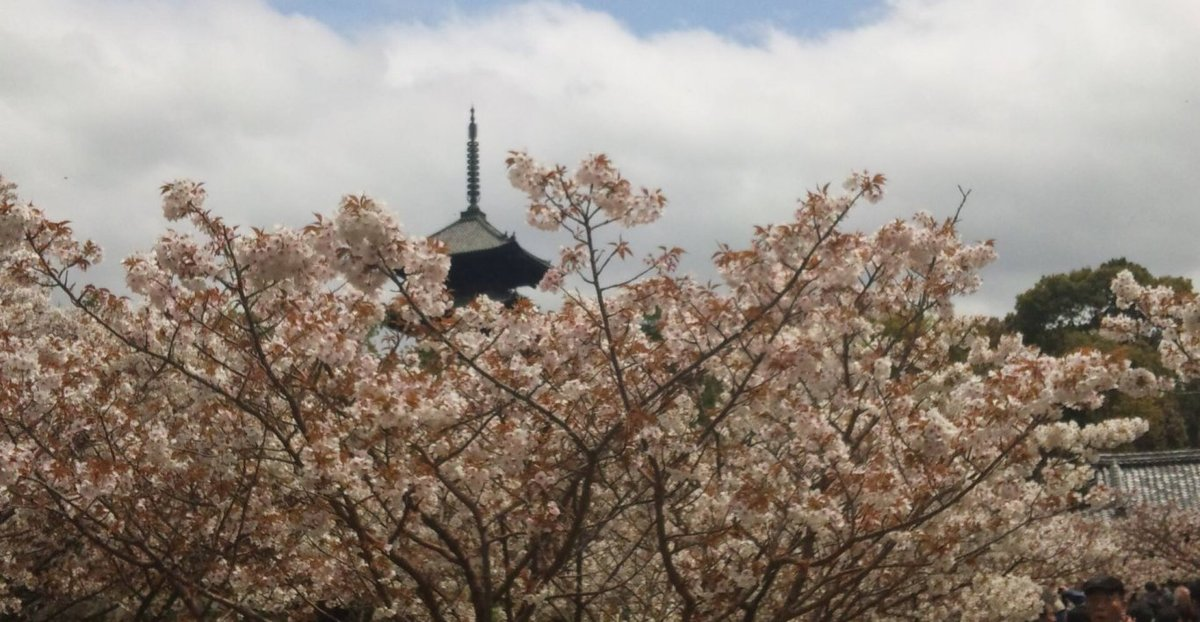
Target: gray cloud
(1075,123)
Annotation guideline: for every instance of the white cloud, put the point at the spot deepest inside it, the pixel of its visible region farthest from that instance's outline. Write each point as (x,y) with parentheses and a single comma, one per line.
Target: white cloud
(1075,122)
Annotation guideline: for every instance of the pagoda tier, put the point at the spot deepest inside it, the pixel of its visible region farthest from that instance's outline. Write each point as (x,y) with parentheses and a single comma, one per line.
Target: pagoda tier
(483,260)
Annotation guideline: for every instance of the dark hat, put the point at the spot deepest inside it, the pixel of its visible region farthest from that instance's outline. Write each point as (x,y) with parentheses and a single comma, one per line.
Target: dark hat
(1104,584)
(1074,597)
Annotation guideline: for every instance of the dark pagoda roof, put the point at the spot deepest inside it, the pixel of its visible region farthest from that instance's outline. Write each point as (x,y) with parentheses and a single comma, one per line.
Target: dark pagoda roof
(483,260)
(1158,477)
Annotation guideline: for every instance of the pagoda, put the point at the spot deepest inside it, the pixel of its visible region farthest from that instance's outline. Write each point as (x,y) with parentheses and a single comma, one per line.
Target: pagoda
(484,261)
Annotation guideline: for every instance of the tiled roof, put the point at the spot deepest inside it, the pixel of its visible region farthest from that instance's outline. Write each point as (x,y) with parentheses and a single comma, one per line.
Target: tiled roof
(1167,477)
(472,232)
(485,261)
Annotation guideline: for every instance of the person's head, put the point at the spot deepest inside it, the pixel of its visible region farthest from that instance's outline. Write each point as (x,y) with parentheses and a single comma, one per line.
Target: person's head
(1141,612)
(1105,598)
(1166,613)
(1183,596)
(1151,587)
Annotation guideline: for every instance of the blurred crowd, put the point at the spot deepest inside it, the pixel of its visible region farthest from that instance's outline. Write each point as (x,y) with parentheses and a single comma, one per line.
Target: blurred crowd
(1105,598)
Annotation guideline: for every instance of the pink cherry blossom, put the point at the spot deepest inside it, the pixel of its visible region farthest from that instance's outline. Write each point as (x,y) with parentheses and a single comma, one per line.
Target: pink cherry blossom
(282,420)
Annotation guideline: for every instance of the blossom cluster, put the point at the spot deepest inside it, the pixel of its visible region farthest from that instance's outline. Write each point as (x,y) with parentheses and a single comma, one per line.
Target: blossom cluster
(283,422)
(1160,540)
(1162,314)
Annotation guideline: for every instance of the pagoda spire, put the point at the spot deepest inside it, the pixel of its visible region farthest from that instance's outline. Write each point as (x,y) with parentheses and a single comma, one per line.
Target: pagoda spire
(484,261)
(472,170)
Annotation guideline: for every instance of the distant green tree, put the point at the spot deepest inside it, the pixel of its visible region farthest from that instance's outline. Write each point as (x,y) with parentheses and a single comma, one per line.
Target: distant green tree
(1062,312)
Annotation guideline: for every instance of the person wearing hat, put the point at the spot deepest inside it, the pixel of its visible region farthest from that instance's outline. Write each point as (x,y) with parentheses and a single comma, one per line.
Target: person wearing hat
(1105,596)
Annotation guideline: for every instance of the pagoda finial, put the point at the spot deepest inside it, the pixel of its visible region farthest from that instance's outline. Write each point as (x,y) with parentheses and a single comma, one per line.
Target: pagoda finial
(472,169)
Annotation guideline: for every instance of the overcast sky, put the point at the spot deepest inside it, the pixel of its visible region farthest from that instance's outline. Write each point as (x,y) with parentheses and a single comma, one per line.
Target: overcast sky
(1076,123)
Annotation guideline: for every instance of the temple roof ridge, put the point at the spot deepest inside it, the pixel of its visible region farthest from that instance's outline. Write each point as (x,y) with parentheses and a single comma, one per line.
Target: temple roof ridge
(1170,477)
(1165,456)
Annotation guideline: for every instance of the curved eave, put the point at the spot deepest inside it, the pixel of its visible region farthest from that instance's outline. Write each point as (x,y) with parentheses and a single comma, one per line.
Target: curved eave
(503,267)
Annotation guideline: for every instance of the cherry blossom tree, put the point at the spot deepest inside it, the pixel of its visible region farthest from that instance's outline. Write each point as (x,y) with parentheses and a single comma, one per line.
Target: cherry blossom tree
(818,436)
(1159,542)
(1162,539)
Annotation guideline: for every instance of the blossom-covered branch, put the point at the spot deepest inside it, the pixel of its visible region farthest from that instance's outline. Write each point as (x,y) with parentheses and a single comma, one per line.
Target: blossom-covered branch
(818,435)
